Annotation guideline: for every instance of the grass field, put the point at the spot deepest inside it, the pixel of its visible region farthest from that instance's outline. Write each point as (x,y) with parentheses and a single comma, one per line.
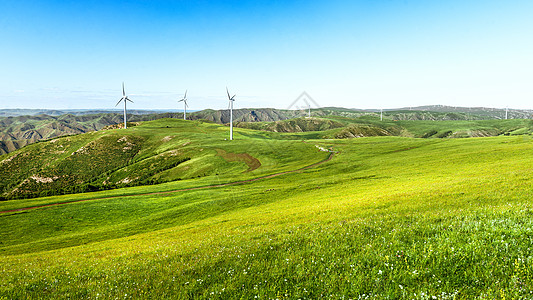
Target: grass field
(154,152)
(334,126)
(386,217)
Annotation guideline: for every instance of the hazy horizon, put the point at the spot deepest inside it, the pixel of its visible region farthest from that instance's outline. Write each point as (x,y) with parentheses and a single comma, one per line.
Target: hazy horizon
(120,108)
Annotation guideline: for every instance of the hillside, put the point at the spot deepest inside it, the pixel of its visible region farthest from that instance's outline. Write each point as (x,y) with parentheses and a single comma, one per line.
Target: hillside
(113,158)
(377,218)
(369,125)
(481,112)
(152,152)
(16,132)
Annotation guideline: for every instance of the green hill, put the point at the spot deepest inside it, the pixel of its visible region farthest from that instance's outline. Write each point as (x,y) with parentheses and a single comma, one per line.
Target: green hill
(463,129)
(272,216)
(370,125)
(153,152)
(17,131)
(478,112)
(110,159)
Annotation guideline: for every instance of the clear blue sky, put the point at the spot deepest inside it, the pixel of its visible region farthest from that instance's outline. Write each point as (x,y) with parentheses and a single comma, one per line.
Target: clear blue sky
(356,54)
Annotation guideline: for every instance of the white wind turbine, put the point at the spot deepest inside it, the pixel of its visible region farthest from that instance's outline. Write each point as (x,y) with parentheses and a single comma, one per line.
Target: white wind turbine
(185,105)
(231,100)
(125,99)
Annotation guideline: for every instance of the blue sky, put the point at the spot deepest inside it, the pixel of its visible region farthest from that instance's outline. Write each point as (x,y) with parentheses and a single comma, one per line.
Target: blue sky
(356,54)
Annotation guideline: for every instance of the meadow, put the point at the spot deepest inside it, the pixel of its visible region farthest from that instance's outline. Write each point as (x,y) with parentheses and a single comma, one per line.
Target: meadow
(154,152)
(385,218)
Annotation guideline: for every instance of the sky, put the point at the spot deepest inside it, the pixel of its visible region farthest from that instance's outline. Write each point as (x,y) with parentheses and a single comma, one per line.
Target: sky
(355,54)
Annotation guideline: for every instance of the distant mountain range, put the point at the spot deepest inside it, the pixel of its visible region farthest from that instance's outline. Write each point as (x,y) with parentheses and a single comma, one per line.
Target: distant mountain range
(75,112)
(478,112)
(20,127)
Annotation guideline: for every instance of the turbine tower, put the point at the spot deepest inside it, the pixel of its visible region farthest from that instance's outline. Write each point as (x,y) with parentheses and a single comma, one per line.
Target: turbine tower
(231,100)
(381,114)
(125,99)
(506,112)
(185,105)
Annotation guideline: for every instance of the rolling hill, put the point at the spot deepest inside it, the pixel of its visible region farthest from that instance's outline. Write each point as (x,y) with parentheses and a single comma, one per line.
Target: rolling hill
(273,215)
(110,159)
(366,126)
(20,130)
(16,132)
(481,112)
(107,159)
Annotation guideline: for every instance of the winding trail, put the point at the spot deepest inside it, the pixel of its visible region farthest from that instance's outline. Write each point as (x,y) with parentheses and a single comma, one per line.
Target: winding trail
(330,156)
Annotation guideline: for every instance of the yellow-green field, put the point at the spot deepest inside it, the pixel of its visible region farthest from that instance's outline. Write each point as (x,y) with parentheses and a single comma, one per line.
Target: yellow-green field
(386,217)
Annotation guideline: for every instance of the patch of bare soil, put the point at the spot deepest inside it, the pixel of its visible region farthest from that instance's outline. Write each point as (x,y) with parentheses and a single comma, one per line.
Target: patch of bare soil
(252,162)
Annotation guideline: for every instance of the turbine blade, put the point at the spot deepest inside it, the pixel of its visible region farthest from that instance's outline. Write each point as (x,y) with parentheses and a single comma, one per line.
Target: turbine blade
(129,99)
(123,90)
(185,97)
(119,102)
(228,93)
(233,97)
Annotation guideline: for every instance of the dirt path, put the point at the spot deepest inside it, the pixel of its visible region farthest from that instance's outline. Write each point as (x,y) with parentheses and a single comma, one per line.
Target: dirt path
(330,156)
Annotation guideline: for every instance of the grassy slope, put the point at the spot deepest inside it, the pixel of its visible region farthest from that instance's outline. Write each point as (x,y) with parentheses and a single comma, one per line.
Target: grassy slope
(387,217)
(16,132)
(369,125)
(475,128)
(157,151)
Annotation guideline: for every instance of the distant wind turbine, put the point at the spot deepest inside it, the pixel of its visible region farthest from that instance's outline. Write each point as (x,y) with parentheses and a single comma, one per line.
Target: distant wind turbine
(506,112)
(231,100)
(125,99)
(185,105)
(381,114)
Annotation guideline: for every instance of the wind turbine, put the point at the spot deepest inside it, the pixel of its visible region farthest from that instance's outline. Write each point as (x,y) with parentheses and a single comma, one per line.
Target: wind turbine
(231,100)
(308,108)
(125,99)
(506,112)
(381,114)
(185,105)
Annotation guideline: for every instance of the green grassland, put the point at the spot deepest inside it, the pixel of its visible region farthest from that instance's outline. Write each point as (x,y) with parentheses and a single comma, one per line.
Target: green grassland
(339,127)
(155,152)
(23,127)
(387,217)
